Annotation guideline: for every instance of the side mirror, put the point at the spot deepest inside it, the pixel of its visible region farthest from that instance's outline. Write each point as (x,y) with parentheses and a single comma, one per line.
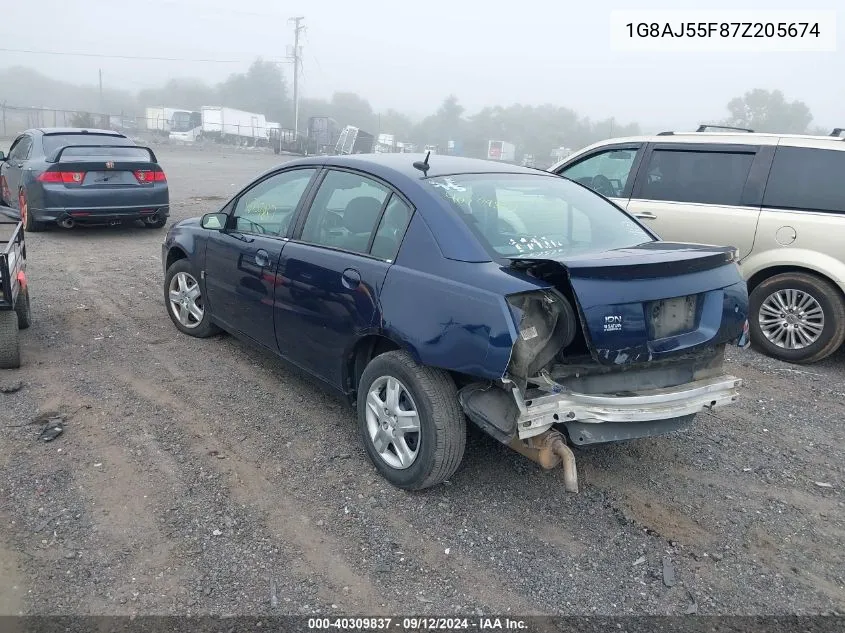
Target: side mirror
(2,157)
(214,221)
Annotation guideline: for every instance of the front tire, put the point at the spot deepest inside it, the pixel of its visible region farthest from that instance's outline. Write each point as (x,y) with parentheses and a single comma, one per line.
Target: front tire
(410,422)
(185,301)
(797,317)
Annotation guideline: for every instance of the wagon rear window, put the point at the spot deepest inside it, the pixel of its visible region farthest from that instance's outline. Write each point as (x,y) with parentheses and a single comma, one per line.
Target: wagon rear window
(526,214)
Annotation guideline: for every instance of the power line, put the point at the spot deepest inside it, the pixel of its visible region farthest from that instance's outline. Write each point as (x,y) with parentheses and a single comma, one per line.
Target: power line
(137,57)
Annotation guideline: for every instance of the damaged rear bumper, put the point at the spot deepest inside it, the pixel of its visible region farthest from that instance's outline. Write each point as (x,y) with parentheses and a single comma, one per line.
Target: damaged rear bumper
(596,418)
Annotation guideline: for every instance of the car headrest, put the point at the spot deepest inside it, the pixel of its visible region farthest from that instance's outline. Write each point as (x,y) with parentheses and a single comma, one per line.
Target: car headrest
(360,214)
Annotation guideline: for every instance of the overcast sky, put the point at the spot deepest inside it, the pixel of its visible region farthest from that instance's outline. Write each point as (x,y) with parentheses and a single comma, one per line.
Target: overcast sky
(410,55)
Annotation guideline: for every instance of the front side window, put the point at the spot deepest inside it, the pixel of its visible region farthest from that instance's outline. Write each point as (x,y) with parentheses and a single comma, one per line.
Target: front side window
(696,177)
(345,211)
(268,208)
(803,178)
(522,215)
(605,173)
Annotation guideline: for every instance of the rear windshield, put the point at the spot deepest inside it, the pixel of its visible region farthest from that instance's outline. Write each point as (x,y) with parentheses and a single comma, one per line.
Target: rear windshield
(524,215)
(53,142)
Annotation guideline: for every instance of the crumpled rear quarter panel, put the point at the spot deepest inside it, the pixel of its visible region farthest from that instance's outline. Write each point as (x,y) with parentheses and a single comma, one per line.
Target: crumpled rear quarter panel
(450,314)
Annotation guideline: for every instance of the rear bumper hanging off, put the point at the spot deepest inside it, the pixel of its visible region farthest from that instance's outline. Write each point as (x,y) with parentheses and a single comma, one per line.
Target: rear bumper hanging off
(657,410)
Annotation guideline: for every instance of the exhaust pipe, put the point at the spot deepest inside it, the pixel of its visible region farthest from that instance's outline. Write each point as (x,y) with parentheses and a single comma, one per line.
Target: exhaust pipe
(549,449)
(67,223)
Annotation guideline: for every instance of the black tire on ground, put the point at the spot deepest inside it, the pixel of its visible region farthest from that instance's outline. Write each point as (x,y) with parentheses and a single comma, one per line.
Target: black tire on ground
(159,223)
(205,327)
(23,309)
(828,297)
(10,351)
(442,436)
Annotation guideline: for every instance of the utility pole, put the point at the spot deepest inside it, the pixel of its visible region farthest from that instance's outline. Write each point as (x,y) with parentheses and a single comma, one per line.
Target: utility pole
(298,28)
(101,91)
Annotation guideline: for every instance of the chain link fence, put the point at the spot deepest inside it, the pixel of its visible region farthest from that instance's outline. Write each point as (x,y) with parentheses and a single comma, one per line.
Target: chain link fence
(156,129)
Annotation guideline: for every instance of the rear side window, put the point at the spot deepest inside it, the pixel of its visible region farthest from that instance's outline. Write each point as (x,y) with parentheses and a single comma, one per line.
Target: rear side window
(803,178)
(52,142)
(345,212)
(21,149)
(697,177)
(391,229)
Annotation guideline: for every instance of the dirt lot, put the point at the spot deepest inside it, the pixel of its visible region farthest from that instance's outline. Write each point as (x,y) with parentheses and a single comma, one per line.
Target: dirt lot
(202,476)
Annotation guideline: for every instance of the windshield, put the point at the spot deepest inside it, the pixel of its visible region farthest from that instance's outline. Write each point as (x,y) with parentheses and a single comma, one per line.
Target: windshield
(52,142)
(526,215)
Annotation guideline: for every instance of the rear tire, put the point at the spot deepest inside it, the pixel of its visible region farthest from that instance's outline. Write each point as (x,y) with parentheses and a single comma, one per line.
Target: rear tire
(441,436)
(30,224)
(821,295)
(23,309)
(10,351)
(181,274)
(157,224)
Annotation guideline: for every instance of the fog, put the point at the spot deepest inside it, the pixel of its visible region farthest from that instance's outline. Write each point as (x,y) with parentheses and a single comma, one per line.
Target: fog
(409,56)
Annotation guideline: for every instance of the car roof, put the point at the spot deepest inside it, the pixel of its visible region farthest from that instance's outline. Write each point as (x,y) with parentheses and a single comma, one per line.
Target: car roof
(439,165)
(727,138)
(737,138)
(75,130)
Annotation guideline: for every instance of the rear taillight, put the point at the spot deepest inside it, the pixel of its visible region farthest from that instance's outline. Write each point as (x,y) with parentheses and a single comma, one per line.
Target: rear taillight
(145,176)
(62,177)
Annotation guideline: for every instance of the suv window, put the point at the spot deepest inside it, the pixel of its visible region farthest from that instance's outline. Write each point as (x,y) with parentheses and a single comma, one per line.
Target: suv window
(20,150)
(605,173)
(268,207)
(803,178)
(344,212)
(697,177)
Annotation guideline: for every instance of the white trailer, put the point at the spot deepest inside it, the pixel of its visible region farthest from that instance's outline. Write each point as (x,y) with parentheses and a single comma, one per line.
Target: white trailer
(228,125)
(159,118)
(501,150)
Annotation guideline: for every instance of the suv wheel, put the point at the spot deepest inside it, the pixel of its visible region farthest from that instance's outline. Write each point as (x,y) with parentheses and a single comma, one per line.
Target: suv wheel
(410,421)
(797,317)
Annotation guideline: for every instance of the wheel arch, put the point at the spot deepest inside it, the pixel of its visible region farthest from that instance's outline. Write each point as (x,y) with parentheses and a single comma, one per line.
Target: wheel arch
(767,273)
(365,349)
(174,254)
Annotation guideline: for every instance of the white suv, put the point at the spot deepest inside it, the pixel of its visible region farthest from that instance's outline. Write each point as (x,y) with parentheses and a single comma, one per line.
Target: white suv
(779,199)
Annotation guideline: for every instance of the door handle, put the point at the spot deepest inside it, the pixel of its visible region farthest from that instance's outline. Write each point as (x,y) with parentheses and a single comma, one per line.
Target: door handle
(645,215)
(350,278)
(262,257)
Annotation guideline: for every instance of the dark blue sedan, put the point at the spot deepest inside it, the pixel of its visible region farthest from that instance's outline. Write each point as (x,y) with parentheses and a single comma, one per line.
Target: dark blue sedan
(74,176)
(430,291)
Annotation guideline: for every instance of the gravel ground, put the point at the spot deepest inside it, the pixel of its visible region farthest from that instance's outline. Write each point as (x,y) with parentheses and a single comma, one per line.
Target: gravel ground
(203,476)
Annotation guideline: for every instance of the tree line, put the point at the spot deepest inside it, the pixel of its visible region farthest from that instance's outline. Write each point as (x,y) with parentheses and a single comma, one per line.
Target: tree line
(534,129)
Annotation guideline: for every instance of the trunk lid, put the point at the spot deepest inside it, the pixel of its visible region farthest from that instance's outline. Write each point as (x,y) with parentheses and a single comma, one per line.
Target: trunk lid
(650,301)
(104,166)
